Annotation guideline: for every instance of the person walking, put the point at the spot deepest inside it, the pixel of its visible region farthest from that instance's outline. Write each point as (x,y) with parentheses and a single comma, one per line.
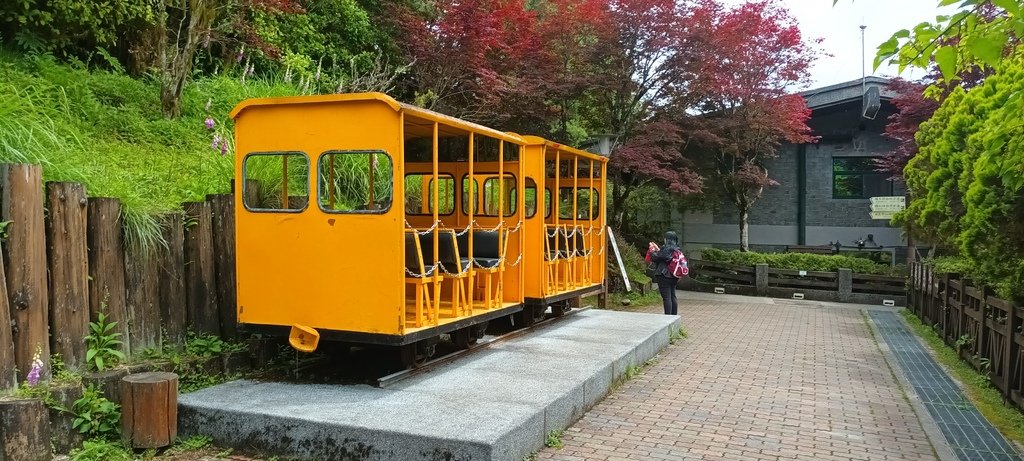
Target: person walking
(659,257)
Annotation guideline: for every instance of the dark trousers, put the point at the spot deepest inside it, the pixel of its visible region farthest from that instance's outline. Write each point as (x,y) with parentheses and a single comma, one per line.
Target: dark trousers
(667,288)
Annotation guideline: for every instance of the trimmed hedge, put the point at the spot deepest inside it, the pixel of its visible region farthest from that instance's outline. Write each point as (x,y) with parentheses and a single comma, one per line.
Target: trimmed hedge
(801,261)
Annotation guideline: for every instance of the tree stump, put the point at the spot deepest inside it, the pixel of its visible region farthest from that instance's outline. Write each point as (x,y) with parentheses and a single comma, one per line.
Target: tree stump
(108,382)
(149,409)
(63,436)
(24,430)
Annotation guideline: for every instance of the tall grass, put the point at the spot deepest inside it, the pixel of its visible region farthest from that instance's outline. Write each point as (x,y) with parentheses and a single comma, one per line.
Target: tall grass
(106,130)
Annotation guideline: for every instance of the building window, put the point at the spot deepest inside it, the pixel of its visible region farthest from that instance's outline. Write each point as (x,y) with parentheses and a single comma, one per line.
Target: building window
(856,177)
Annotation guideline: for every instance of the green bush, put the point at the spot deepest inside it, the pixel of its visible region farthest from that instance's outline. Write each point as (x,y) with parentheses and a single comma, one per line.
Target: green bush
(632,259)
(801,261)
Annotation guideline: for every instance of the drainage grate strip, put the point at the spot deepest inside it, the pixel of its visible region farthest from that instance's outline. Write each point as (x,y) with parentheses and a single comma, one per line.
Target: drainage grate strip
(970,435)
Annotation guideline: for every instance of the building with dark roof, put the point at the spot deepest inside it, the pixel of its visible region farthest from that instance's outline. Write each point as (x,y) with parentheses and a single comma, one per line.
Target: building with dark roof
(825,188)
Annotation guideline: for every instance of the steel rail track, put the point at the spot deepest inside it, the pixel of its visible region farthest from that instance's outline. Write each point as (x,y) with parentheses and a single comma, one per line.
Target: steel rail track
(395,377)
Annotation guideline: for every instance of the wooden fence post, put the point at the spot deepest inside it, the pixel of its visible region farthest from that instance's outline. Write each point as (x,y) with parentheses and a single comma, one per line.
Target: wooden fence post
(142,283)
(761,279)
(25,256)
(944,307)
(222,209)
(106,264)
(173,305)
(200,276)
(8,367)
(69,270)
(844,285)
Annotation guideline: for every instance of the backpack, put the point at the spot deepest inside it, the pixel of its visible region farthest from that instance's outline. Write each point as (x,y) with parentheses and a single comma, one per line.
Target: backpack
(677,266)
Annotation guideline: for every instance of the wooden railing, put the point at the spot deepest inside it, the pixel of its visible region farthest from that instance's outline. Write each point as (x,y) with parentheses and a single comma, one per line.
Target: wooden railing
(983,329)
(761,280)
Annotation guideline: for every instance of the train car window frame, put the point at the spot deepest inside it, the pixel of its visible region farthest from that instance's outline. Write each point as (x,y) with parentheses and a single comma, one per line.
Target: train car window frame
(391,180)
(431,191)
(245,182)
(526,197)
(596,209)
(477,187)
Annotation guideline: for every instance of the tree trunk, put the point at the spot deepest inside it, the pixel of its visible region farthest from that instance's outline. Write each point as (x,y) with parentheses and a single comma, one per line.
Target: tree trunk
(177,51)
(744,230)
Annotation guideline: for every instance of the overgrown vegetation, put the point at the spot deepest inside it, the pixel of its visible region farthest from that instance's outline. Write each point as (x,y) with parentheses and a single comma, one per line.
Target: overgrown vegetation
(802,261)
(632,259)
(105,129)
(95,416)
(959,181)
(977,386)
(102,450)
(103,344)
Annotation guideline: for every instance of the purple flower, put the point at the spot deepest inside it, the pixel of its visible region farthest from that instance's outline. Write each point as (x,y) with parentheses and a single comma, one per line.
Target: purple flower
(208,102)
(209,123)
(216,142)
(224,148)
(240,55)
(35,371)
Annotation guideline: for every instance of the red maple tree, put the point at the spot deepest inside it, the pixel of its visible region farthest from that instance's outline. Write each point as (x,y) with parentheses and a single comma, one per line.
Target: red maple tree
(479,61)
(745,96)
(652,60)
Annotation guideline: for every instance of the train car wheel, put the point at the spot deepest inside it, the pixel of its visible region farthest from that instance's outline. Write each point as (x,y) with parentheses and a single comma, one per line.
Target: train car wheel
(539,312)
(560,308)
(416,354)
(478,331)
(463,338)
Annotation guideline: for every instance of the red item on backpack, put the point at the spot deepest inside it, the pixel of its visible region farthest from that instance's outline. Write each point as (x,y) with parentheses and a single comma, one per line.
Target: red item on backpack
(677,266)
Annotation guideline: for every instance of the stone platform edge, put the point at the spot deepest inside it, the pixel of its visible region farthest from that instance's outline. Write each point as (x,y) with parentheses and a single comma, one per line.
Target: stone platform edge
(298,438)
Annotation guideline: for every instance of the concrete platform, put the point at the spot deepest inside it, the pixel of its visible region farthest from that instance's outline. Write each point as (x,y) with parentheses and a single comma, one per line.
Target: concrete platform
(498,403)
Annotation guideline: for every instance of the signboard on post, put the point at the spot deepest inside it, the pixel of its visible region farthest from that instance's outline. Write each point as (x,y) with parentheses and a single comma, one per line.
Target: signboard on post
(887,207)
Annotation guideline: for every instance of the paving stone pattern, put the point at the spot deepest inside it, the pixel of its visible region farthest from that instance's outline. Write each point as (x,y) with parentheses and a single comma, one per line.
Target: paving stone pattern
(970,436)
(756,381)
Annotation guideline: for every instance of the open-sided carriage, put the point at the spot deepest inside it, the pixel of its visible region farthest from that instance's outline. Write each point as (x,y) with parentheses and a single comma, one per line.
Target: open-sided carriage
(365,220)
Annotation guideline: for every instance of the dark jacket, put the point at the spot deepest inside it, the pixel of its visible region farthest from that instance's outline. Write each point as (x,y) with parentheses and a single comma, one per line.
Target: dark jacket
(661,258)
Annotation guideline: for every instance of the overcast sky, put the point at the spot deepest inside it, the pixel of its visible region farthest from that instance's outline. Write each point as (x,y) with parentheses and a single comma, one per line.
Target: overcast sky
(839,26)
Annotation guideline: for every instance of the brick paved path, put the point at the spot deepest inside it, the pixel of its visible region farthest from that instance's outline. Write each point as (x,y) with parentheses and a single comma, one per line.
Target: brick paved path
(756,381)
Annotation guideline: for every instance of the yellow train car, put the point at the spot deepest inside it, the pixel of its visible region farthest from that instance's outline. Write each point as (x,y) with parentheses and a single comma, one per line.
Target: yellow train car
(369,221)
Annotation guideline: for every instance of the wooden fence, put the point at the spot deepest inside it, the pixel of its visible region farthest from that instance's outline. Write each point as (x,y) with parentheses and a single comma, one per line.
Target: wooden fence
(65,259)
(761,280)
(983,329)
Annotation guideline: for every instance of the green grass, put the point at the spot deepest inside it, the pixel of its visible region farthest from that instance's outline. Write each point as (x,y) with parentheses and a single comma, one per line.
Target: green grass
(1008,420)
(636,300)
(106,130)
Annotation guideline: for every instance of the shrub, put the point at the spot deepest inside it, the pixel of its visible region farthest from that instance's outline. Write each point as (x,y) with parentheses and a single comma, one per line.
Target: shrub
(632,259)
(801,261)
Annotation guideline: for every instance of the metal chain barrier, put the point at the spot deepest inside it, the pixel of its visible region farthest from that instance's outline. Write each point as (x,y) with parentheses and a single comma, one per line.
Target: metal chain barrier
(429,273)
(446,271)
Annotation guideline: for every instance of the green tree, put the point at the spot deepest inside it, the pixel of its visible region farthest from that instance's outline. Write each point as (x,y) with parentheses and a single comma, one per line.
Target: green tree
(957,180)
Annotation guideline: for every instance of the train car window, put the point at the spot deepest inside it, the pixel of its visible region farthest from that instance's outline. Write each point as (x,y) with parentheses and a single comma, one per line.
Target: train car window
(530,198)
(355,182)
(547,202)
(494,189)
(275,182)
(584,199)
(466,194)
(419,194)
